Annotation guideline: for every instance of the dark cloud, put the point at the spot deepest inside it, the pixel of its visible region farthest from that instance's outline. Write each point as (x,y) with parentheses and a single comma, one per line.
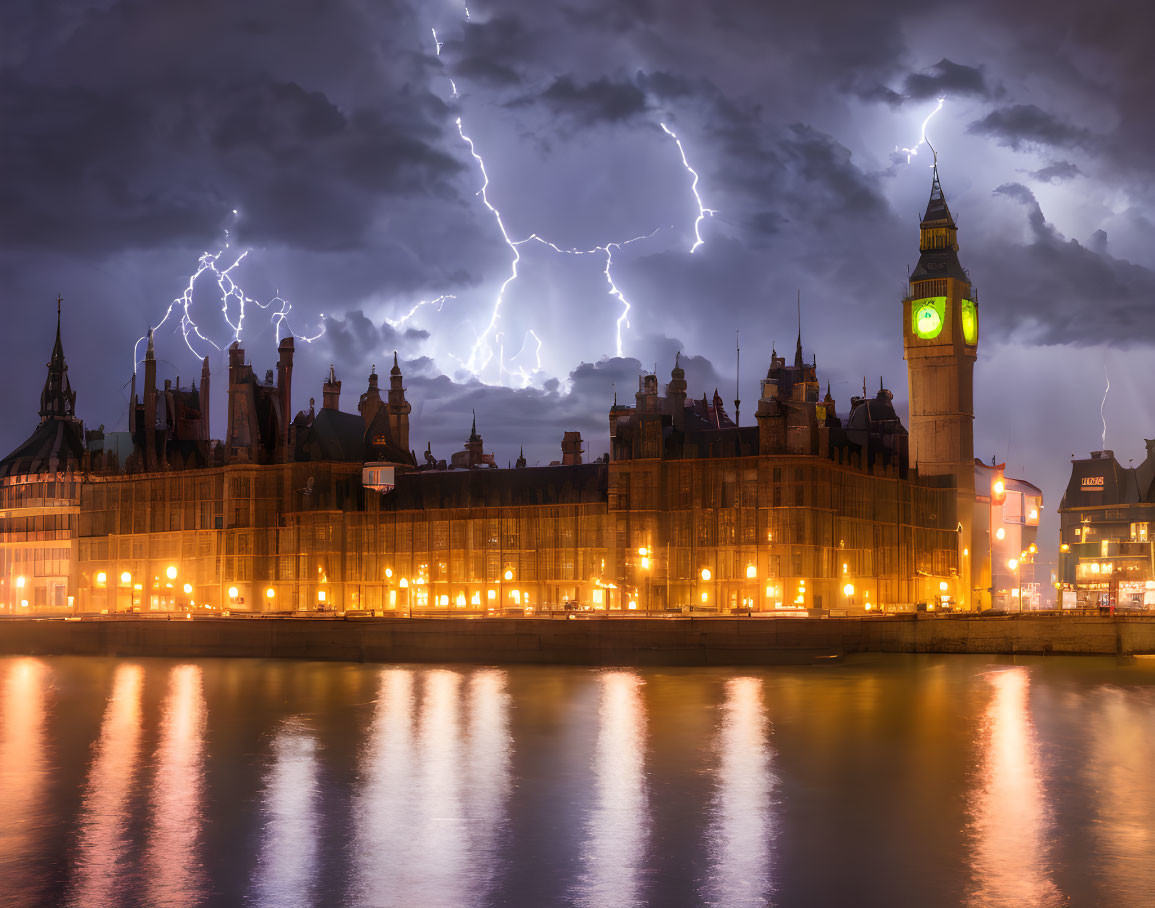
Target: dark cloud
(490,52)
(1067,293)
(601,101)
(947,79)
(1058,172)
(1023,125)
(355,338)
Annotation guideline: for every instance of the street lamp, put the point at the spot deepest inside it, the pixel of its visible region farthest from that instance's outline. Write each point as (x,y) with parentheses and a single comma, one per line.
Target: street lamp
(848,591)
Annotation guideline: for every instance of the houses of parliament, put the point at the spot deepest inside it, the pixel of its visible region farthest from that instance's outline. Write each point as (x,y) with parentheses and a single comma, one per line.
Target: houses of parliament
(819,506)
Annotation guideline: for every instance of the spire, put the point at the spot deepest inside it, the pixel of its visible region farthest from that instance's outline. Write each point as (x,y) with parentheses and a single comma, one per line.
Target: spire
(396,370)
(57,399)
(798,345)
(936,208)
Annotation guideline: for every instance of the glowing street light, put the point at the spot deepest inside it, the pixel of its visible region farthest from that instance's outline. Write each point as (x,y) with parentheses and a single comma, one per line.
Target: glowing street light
(751,572)
(170,572)
(188,589)
(706,575)
(126,578)
(1000,534)
(102,578)
(508,574)
(233,592)
(1013,563)
(270,593)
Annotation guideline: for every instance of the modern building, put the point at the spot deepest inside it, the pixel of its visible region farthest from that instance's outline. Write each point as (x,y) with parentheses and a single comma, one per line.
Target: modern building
(802,510)
(1107,533)
(1007,514)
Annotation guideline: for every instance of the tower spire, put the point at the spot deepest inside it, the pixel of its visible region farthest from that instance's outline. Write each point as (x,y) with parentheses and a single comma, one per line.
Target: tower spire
(798,364)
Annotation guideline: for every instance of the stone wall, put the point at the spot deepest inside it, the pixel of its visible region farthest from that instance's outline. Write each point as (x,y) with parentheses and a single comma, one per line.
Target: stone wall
(704,641)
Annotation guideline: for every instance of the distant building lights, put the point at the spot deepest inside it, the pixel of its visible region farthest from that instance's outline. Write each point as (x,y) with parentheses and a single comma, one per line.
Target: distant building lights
(943,586)
(20,583)
(270,593)
(126,578)
(633,604)
(188,589)
(508,574)
(751,571)
(848,590)
(1013,563)
(233,592)
(170,572)
(102,578)
(388,573)
(706,575)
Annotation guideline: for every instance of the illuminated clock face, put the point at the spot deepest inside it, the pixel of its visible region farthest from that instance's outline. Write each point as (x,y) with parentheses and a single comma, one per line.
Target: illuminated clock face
(970,322)
(927,316)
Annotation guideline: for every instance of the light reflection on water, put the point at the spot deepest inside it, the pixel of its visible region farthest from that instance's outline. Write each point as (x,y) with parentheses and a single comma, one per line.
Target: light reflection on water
(23,772)
(1119,771)
(383,811)
(740,830)
(173,872)
(287,865)
(617,829)
(104,856)
(1011,820)
(431,800)
(161,783)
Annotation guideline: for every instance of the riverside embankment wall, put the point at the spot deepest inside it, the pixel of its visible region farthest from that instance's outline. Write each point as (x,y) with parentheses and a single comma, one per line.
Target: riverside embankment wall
(635,641)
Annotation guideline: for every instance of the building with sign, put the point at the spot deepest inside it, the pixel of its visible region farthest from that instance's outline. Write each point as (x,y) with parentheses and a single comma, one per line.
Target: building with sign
(1107,533)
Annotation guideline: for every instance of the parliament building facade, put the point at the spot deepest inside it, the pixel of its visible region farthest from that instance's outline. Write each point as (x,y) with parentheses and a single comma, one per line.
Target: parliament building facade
(806,509)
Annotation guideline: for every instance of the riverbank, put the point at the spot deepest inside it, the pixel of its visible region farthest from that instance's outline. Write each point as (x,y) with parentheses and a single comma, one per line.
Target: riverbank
(633,641)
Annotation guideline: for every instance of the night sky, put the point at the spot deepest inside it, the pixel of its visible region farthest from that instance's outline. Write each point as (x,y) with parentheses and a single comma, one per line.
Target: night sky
(131,132)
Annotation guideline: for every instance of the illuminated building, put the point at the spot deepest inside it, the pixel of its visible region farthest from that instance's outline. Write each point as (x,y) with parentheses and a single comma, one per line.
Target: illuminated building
(1107,533)
(330,510)
(1007,514)
(940,343)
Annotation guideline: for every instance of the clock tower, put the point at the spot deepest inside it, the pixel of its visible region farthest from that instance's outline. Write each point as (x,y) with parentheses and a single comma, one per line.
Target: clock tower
(940,332)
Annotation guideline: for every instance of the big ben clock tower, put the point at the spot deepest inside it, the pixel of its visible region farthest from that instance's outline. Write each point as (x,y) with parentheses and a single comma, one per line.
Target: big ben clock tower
(940,333)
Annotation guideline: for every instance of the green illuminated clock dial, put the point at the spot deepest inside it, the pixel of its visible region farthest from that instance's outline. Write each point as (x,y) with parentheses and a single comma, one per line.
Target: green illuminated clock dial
(928,316)
(970,322)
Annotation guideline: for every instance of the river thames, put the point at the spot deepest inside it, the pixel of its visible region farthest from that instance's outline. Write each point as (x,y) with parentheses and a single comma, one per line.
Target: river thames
(902,780)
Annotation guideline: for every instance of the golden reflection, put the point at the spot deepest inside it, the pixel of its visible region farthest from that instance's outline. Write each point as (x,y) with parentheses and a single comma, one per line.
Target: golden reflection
(385,800)
(488,773)
(741,829)
(104,848)
(1122,738)
(1010,819)
(287,866)
(440,833)
(174,873)
(23,773)
(618,826)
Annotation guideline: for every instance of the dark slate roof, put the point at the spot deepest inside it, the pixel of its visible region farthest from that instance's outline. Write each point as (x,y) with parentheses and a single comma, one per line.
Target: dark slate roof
(56,445)
(334,435)
(574,484)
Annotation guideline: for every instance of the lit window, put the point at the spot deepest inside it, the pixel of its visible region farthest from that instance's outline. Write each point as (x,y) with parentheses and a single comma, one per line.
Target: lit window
(1139,532)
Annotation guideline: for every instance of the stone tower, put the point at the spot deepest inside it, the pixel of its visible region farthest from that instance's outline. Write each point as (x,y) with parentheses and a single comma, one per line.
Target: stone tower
(940,332)
(399,408)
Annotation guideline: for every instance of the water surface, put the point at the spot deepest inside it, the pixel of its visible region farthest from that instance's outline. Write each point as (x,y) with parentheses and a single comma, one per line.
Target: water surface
(918,780)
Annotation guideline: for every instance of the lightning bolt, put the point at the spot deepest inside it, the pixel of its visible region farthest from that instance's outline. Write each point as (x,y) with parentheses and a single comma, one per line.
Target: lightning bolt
(1102,408)
(608,251)
(482,352)
(911,152)
(703,211)
(436,303)
(231,294)
(481,346)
